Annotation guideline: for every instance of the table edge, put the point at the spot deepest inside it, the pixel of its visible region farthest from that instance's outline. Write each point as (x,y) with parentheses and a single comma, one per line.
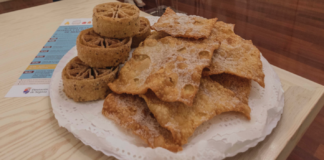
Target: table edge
(303,126)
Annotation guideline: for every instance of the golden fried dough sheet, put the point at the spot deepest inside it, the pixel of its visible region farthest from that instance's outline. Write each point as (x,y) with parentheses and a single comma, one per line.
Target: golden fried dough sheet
(211,39)
(145,30)
(222,30)
(212,99)
(131,112)
(240,86)
(171,67)
(238,57)
(116,20)
(157,35)
(97,51)
(183,25)
(83,83)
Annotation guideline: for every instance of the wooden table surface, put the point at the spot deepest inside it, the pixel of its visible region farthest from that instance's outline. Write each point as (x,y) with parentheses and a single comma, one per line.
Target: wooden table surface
(30,131)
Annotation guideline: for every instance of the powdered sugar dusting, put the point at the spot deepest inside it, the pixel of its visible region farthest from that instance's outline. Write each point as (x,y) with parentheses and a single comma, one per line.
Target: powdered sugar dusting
(212,99)
(171,67)
(131,112)
(224,135)
(238,57)
(183,25)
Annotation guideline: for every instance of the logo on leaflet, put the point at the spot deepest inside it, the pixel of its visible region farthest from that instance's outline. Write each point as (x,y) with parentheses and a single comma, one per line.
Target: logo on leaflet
(27,72)
(27,90)
(37,62)
(76,22)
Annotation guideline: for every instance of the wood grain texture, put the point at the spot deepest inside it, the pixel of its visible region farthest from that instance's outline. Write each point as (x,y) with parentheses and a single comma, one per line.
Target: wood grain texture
(320,152)
(13,5)
(30,131)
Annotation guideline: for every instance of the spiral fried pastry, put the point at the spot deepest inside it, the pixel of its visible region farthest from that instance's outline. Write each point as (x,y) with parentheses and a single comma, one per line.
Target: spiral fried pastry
(97,51)
(84,83)
(116,20)
(143,33)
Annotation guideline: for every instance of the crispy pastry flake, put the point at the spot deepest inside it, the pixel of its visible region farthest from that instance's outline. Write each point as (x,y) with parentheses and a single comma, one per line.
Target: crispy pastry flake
(157,35)
(183,25)
(238,57)
(212,99)
(240,86)
(222,31)
(131,112)
(171,67)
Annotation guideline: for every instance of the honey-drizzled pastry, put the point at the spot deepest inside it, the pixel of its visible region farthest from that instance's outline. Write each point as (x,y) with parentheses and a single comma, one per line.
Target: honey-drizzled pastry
(143,33)
(116,20)
(83,83)
(97,51)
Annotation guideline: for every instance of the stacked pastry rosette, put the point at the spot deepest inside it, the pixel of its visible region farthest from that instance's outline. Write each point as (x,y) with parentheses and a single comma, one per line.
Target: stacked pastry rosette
(102,49)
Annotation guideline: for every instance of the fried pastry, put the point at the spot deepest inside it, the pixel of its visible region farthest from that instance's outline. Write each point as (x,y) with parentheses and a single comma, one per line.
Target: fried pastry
(171,67)
(144,31)
(212,39)
(131,112)
(222,31)
(116,20)
(212,99)
(238,57)
(100,52)
(157,35)
(83,83)
(183,25)
(240,86)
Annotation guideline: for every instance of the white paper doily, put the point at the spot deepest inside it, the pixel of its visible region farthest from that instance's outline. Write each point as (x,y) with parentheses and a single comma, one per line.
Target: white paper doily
(223,136)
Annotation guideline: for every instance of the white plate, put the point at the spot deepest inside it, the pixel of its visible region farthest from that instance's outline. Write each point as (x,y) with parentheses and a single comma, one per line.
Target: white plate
(223,136)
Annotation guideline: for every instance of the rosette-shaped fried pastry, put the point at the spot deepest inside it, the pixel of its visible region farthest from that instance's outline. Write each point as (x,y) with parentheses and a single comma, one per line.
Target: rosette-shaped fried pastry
(100,52)
(145,31)
(212,99)
(83,83)
(131,112)
(116,20)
